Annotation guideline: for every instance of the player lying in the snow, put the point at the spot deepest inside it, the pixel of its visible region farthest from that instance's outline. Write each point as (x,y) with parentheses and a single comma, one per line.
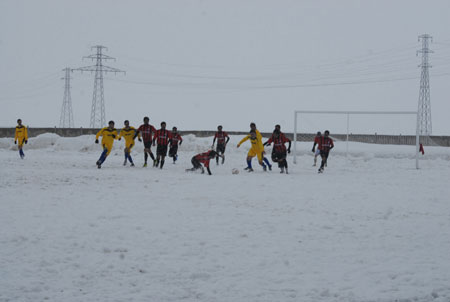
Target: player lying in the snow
(203,158)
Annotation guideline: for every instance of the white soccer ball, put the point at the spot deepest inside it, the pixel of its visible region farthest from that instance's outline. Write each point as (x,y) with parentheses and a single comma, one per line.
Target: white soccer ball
(235,171)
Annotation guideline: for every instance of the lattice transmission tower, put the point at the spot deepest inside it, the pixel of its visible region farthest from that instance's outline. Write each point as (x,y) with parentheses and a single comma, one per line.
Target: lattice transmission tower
(424,108)
(98,116)
(66,119)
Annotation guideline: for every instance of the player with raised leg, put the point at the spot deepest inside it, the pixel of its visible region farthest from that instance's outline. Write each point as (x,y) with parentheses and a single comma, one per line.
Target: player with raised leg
(259,136)
(108,134)
(174,141)
(257,149)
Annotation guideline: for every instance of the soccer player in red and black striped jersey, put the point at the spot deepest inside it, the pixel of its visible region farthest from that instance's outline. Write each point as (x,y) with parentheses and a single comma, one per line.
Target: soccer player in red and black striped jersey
(325,145)
(146,131)
(203,158)
(222,141)
(279,151)
(316,142)
(162,137)
(174,141)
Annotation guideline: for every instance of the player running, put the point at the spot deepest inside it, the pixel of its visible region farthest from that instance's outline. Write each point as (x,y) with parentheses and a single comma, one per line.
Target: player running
(257,149)
(21,136)
(325,145)
(108,134)
(129,133)
(221,143)
(162,137)
(147,130)
(203,158)
(279,151)
(173,141)
(316,142)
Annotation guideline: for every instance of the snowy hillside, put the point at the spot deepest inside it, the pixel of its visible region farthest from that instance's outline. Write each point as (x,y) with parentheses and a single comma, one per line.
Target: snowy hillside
(371,228)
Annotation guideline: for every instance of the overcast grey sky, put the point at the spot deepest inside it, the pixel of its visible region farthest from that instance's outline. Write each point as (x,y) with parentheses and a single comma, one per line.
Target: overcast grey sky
(198,63)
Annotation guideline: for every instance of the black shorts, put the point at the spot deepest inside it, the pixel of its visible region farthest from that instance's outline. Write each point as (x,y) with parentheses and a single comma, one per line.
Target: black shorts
(173,150)
(195,163)
(220,148)
(277,156)
(324,154)
(161,150)
(148,145)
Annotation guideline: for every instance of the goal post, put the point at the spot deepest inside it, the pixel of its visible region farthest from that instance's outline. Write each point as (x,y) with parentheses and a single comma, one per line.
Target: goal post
(298,113)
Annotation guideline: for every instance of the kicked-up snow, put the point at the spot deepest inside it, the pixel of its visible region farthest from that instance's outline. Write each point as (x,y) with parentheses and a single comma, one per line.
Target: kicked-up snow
(371,228)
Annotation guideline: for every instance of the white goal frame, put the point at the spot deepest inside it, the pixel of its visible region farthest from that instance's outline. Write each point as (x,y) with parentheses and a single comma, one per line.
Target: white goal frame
(348,113)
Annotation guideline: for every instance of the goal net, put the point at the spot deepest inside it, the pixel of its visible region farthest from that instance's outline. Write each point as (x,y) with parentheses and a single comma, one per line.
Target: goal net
(300,116)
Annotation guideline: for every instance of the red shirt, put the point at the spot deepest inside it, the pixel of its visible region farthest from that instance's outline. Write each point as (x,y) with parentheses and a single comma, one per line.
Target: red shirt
(146,132)
(278,142)
(175,139)
(220,136)
(203,158)
(317,139)
(162,137)
(325,144)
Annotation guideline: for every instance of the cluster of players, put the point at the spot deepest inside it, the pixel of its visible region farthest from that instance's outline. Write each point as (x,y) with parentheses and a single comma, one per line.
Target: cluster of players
(168,141)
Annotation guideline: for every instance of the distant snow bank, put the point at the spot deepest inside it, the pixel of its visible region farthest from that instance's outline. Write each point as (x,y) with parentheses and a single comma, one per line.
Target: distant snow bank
(193,144)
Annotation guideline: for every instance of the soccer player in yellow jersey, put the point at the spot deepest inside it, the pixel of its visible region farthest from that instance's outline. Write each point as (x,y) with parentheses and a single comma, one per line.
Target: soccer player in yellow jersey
(129,134)
(257,149)
(108,134)
(21,136)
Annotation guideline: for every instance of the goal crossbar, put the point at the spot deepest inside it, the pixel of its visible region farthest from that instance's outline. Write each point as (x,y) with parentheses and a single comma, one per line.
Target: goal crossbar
(348,113)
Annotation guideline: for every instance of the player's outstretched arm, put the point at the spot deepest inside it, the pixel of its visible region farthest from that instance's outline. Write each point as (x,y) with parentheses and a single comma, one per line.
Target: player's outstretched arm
(243,140)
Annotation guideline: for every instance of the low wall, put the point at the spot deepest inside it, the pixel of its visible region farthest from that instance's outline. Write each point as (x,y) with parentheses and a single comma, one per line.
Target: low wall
(304,137)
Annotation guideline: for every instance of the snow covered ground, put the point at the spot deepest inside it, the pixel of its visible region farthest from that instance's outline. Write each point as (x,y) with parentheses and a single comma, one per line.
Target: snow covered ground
(371,228)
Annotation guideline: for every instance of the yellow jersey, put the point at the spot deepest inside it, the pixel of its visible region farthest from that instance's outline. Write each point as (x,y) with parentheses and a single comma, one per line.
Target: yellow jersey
(128,134)
(257,144)
(21,134)
(108,136)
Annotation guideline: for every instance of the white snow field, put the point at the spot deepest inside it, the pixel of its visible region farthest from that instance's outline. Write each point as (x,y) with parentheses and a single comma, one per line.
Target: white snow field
(371,228)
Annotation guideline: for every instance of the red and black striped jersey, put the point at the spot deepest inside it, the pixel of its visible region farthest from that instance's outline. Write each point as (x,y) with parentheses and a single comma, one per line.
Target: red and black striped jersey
(203,158)
(175,139)
(146,131)
(325,144)
(278,142)
(220,136)
(162,137)
(317,139)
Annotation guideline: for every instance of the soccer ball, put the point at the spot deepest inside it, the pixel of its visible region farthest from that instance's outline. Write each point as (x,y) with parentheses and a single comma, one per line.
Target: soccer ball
(235,171)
